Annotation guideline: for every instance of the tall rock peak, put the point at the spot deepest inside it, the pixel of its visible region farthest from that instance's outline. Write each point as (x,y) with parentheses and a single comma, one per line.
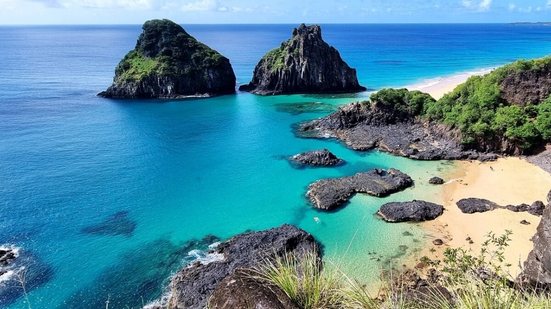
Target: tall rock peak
(303,64)
(167,63)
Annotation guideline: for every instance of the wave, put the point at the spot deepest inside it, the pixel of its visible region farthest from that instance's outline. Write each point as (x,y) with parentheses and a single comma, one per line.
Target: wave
(9,271)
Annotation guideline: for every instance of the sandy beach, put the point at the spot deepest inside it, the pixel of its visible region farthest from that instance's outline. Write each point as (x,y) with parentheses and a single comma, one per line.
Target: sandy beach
(438,87)
(507,181)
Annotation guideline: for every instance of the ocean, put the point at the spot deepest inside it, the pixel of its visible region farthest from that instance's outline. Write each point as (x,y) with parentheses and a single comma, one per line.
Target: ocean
(105,199)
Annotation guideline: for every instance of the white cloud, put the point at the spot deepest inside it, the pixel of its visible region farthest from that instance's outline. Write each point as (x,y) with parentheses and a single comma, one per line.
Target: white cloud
(481,6)
(202,5)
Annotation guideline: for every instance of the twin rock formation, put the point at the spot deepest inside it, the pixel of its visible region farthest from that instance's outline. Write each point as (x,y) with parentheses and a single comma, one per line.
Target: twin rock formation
(168,63)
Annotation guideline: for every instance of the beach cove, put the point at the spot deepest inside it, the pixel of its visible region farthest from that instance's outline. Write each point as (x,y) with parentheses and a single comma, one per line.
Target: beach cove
(124,184)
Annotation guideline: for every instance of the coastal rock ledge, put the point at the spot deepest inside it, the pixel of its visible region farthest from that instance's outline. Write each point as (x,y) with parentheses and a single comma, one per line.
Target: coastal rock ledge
(225,279)
(330,194)
(303,64)
(168,63)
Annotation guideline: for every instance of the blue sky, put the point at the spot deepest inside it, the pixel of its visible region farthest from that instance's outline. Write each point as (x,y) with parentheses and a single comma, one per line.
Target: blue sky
(273,11)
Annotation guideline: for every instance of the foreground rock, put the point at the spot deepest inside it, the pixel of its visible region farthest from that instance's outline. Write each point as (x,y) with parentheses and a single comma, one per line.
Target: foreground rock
(303,64)
(415,211)
(543,159)
(192,286)
(329,194)
(317,158)
(474,205)
(537,267)
(240,290)
(365,126)
(169,63)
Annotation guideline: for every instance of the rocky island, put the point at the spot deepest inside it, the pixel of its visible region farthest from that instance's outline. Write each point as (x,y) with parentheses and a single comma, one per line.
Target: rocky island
(303,64)
(317,158)
(514,119)
(168,63)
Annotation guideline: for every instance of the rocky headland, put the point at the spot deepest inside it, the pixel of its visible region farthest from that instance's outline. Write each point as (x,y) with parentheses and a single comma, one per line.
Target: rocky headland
(303,64)
(168,63)
(513,121)
(414,211)
(226,280)
(317,158)
(330,194)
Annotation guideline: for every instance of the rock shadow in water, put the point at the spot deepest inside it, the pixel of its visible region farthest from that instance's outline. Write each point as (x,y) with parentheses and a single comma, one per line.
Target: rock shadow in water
(139,275)
(305,107)
(25,270)
(116,224)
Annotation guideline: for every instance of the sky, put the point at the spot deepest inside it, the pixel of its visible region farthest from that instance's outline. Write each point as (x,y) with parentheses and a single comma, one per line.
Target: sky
(274,11)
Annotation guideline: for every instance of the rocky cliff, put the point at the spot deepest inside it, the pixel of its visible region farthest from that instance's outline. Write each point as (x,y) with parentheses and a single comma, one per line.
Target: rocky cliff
(303,64)
(167,62)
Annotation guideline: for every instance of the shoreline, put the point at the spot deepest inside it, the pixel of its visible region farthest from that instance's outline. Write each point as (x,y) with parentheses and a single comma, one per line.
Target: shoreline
(505,182)
(509,180)
(437,87)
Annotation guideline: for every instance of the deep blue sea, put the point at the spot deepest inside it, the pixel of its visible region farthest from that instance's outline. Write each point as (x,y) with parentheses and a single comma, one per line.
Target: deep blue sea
(105,199)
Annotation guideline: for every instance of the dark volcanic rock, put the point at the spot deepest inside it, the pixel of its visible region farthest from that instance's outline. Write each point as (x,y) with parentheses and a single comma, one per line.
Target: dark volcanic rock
(303,64)
(363,126)
(524,87)
(167,62)
(438,242)
(116,224)
(537,267)
(415,211)
(536,208)
(473,205)
(317,158)
(436,181)
(549,197)
(524,222)
(329,194)
(192,286)
(17,265)
(239,290)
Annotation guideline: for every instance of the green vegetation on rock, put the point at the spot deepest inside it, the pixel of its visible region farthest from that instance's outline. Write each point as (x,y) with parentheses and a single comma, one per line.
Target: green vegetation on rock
(480,110)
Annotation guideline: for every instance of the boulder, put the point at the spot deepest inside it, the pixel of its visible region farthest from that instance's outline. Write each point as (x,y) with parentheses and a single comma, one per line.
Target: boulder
(192,286)
(330,194)
(436,181)
(169,63)
(537,267)
(303,64)
(474,205)
(536,208)
(317,158)
(416,211)
(241,290)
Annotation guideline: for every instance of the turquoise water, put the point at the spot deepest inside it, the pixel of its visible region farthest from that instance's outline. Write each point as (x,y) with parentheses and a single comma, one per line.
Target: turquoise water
(187,169)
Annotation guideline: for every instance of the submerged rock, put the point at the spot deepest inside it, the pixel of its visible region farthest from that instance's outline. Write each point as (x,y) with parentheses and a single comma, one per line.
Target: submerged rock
(169,63)
(317,158)
(329,194)
(473,205)
(116,224)
(241,290)
(415,211)
(303,64)
(192,286)
(436,181)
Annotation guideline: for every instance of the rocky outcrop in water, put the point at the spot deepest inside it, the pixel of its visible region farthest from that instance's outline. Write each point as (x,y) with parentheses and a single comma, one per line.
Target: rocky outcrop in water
(303,64)
(365,126)
(317,158)
(330,194)
(193,286)
(415,211)
(537,267)
(169,63)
